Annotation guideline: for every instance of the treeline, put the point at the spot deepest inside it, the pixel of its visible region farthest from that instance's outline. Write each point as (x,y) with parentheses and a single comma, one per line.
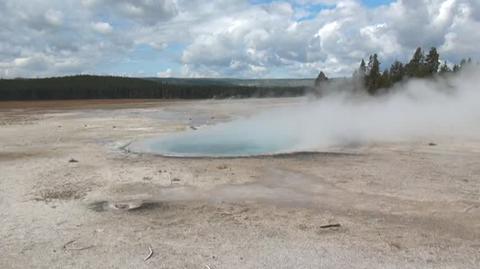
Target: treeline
(108,87)
(370,77)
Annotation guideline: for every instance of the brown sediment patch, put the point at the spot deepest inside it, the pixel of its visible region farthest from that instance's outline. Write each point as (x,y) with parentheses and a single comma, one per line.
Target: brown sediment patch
(7,119)
(309,154)
(289,155)
(81,104)
(64,192)
(15,155)
(49,195)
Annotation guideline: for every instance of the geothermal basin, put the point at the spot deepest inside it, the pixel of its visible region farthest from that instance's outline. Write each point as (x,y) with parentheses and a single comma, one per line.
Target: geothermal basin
(417,203)
(215,142)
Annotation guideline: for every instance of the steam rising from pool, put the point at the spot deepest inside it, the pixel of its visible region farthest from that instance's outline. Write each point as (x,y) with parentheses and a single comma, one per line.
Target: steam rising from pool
(215,143)
(419,109)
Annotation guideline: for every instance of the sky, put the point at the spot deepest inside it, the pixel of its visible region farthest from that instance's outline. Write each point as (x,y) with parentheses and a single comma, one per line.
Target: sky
(227,38)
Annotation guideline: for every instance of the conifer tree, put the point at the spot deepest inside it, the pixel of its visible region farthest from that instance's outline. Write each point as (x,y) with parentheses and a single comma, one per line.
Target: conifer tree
(321,78)
(385,80)
(432,61)
(456,68)
(359,77)
(363,68)
(420,66)
(444,68)
(372,79)
(397,72)
(416,65)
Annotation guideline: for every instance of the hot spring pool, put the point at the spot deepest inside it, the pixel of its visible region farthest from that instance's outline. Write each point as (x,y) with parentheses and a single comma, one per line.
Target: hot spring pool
(208,143)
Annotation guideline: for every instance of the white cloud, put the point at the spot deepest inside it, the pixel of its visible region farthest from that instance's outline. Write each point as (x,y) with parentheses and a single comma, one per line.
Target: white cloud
(351,31)
(54,17)
(102,27)
(165,74)
(229,37)
(148,12)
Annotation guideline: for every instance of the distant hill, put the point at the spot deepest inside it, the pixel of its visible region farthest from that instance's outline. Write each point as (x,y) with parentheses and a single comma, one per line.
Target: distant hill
(109,87)
(238,82)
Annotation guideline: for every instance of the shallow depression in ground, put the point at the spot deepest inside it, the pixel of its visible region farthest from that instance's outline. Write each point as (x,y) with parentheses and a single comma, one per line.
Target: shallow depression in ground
(213,142)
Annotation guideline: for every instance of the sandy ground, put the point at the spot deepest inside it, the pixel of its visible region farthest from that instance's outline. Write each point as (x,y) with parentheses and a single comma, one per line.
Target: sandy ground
(65,186)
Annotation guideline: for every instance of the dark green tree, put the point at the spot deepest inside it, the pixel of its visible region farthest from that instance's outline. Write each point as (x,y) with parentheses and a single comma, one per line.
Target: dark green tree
(444,68)
(359,77)
(432,61)
(106,87)
(385,80)
(363,68)
(456,68)
(320,79)
(465,62)
(397,72)
(361,71)
(372,79)
(416,66)
(420,66)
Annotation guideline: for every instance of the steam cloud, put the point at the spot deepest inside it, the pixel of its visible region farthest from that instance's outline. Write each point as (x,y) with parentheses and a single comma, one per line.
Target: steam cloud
(419,109)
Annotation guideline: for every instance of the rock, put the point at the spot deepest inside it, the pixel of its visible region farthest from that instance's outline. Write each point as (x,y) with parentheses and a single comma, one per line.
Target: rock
(73,161)
(222,167)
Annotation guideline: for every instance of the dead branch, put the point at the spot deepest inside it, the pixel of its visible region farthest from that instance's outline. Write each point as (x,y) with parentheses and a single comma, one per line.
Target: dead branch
(150,254)
(336,225)
(65,246)
(68,243)
(78,249)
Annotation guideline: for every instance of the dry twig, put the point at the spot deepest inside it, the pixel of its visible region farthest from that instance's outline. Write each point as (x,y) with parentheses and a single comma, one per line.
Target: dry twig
(150,254)
(75,249)
(336,225)
(84,248)
(68,243)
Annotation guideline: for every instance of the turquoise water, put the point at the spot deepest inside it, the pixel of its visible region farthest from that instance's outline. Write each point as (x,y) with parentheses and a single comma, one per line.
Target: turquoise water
(216,144)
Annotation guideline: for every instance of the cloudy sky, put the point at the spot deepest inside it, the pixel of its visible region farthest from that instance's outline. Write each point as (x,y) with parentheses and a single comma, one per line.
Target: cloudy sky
(227,38)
